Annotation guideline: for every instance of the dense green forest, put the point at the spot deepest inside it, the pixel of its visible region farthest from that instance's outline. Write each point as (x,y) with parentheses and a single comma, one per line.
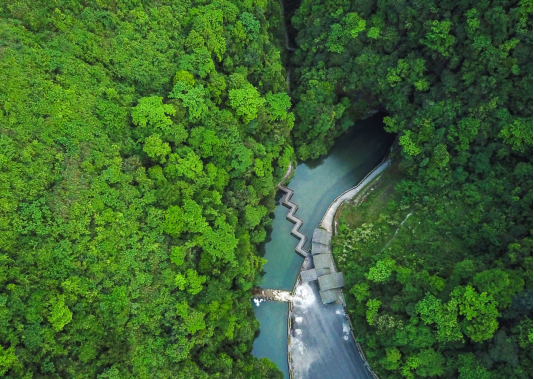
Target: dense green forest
(140,146)
(439,258)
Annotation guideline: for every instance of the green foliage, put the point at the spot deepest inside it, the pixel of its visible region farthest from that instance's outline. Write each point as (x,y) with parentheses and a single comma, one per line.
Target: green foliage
(60,314)
(7,359)
(249,22)
(360,291)
(470,368)
(155,147)
(372,310)
(480,313)
(351,25)
(194,281)
(438,38)
(445,316)
(185,77)
(354,24)
(130,191)
(382,271)
(278,105)
(246,101)
(430,363)
(150,111)
(500,285)
(454,213)
(518,134)
(391,361)
(193,99)
(440,298)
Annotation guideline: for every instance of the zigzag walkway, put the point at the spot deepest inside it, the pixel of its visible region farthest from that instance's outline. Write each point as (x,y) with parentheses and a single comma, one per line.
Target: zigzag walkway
(286,201)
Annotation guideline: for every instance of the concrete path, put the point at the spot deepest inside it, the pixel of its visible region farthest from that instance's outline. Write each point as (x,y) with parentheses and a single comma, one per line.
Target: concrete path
(328,219)
(286,202)
(295,232)
(321,345)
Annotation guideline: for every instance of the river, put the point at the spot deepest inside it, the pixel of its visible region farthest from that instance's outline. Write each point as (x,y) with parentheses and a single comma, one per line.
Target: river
(316,184)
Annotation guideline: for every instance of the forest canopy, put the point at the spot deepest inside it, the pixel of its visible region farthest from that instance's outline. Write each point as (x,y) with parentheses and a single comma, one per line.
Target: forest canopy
(141,142)
(438,258)
(140,146)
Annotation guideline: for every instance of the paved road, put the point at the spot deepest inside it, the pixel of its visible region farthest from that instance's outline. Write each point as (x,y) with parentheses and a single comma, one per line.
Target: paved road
(321,344)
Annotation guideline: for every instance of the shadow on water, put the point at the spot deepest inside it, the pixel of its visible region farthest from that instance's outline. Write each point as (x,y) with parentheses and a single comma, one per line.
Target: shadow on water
(316,184)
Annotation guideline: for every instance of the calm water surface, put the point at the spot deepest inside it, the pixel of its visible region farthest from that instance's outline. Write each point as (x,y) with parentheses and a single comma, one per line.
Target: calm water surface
(316,184)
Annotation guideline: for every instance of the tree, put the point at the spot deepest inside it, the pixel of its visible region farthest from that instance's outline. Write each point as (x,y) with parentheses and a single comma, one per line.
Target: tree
(150,111)
(156,148)
(60,314)
(194,281)
(372,310)
(480,311)
(193,319)
(430,363)
(382,271)
(392,359)
(445,316)
(209,24)
(109,221)
(192,97)
(502,286)
(7,359)
(253,215)
(246,101)
(360,291)
(470,368)
(278,105)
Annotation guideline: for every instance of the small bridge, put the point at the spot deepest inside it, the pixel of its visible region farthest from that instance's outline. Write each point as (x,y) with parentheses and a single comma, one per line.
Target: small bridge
(270,294)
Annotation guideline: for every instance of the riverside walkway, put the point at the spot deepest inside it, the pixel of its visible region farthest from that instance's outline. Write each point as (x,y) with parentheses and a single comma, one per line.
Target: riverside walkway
(327,222)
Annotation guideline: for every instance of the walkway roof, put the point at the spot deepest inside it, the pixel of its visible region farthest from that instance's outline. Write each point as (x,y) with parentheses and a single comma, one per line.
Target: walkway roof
(329,296)
(321,242)
(308,275)
(313,274)
(323,261)
(321,236)
(330,281)
(322,271)
(319,248)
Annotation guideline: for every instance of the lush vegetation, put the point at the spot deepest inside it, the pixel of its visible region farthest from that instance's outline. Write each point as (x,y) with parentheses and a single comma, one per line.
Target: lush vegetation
(140,146)
(447,293)
(424,303)
(141,142)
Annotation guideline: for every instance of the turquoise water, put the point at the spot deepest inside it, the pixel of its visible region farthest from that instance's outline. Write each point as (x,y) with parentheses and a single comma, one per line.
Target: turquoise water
(316,184)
